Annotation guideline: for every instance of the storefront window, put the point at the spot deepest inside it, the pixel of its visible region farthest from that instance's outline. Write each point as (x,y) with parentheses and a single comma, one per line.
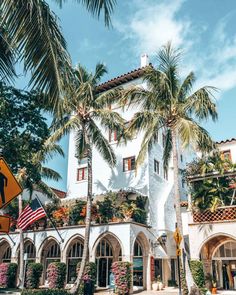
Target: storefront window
(138,265)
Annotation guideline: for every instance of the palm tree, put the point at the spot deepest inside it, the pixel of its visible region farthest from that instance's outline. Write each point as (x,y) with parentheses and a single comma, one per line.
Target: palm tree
(29,31)
(85,112)
(168,103)
(34,180)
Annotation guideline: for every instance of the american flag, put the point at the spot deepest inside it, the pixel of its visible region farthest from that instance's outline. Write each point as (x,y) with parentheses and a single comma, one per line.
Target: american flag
(31,213)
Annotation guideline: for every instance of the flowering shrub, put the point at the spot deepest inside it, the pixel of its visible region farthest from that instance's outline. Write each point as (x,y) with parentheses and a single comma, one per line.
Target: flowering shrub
(122,275)
(62,214)
(33,274)
(56,274)
(8,275)
(90,272)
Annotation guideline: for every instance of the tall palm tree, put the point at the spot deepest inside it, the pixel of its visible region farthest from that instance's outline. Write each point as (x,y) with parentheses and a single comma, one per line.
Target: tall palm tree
(168,103)
(85,111)
(35,180)
(29,31)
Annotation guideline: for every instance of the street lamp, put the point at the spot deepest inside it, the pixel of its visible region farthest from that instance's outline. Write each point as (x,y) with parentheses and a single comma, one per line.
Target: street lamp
(160,240)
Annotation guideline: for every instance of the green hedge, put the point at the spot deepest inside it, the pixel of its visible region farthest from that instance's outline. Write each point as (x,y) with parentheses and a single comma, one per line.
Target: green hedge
(44,292)
(11,273)
(196,267)
(33,274)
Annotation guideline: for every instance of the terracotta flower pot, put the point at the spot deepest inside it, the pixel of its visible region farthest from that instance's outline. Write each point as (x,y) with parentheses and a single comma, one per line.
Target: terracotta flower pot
(214,290)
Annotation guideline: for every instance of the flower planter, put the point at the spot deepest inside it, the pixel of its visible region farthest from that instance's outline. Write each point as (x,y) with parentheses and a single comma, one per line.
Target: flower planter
(154,286)
(214,290)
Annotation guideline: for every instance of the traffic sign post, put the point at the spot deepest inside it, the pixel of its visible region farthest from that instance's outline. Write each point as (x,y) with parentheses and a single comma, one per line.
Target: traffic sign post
(9,186)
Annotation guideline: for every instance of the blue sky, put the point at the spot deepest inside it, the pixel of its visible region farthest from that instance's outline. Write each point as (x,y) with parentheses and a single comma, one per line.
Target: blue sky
(205,30)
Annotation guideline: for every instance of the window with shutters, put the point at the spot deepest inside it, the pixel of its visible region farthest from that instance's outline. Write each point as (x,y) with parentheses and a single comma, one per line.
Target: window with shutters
(82,174)
(129,164)
(112,135)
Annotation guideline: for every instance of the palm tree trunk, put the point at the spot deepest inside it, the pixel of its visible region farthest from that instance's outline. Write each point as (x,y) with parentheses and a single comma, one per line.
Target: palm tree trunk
(76,286)
(188,275)
(21,254)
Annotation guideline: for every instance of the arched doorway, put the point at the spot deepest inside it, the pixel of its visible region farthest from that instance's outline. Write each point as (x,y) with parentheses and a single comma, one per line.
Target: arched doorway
(74,256)
(51,253)
(138,267)
(108,250)
(224,265)
(140,261)
(5,252)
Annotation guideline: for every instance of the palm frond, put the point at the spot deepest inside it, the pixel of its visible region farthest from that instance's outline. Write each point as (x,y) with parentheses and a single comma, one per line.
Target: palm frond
(7,71)
(101,143)
(34,30)
(201,105)
(48,173)
(80,144)
(192,134)
(100,71)
(95,7)
(186,87)
(47,190)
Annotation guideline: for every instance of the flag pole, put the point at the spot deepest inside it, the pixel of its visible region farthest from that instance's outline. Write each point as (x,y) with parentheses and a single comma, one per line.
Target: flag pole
(62,240)
(11,239)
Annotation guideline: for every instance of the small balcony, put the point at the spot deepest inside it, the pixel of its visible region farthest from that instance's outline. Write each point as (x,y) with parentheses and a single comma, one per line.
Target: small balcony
(226,213)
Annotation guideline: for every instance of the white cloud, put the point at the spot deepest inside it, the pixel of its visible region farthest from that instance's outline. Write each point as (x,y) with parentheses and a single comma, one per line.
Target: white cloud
(153,23)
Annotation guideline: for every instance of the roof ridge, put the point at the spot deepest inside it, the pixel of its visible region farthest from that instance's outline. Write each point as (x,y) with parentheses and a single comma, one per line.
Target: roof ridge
(226,140)
(121,79)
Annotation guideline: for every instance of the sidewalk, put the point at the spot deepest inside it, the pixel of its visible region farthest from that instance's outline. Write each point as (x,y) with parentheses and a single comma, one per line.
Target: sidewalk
(166,291)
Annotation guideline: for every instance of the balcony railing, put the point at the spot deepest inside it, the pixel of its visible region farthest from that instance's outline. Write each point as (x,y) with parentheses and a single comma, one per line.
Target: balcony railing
(220,214)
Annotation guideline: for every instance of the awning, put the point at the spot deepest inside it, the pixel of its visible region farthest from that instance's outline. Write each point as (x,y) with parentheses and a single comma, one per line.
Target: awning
(159,252)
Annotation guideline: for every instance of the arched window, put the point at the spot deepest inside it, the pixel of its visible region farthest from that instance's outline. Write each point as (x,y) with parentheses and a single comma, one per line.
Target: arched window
(74,257)
(104,259)
(52,254)
(226,251)
(138,264)
(7,255)
(30,251)
(104,249)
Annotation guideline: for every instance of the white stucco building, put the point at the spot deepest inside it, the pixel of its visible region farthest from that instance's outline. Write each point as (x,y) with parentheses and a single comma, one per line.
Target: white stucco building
(127,241)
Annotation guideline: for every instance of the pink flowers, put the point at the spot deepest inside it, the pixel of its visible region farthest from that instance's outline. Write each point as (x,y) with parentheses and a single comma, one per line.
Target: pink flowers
(122,274)
(3,274)
(56,274)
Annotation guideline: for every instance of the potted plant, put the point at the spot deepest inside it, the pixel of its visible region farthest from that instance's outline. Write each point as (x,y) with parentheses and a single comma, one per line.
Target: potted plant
(154,285)
(214,288)
(159,283)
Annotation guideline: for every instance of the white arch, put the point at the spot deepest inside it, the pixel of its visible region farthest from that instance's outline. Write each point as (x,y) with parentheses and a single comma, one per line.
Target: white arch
(212,237)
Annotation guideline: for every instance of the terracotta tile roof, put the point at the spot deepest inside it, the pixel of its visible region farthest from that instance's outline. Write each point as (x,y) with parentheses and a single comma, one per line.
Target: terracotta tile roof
(59,193)
(226,141)
(184,204)
(135,74)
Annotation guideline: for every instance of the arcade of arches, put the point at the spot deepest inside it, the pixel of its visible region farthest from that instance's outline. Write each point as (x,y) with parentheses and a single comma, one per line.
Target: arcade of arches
(219,259)
(106,250)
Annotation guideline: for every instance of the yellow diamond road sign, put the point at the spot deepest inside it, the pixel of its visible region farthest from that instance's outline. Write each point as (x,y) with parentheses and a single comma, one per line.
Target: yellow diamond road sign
(9,187)
(177,237)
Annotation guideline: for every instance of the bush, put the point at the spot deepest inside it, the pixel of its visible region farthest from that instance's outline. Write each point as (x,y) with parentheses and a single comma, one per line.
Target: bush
(44,292)
(172,283)
(196,267)
(8,275)
(75,213)
(56,275)
(122,276)
(33,274)
(89,276)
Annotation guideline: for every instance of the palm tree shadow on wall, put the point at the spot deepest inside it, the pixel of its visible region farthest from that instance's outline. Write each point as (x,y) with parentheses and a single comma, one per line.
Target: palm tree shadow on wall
(125,180)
